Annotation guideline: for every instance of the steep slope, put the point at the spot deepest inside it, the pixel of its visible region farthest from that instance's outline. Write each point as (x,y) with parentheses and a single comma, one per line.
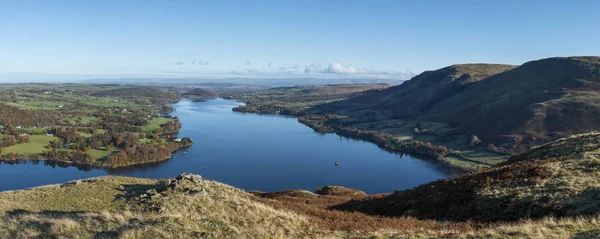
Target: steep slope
(422,91)
(560,178)
(512,107)
(539,101)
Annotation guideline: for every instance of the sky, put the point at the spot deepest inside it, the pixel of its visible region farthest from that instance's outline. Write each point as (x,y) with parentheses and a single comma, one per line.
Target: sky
(308,38)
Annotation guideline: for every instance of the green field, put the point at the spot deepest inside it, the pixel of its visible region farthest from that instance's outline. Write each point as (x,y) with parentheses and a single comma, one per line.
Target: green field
(99,154)
(86,135)
(35,145)
(73,110)
(155,124)
(82,119)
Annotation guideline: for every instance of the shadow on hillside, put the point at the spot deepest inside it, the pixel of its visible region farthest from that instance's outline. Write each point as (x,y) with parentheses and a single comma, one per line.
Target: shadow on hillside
(594,233)
(131,191)
(43,221)
(52,223)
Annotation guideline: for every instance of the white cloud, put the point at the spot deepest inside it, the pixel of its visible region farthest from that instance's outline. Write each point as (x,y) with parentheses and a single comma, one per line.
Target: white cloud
(313,68)
(338,68)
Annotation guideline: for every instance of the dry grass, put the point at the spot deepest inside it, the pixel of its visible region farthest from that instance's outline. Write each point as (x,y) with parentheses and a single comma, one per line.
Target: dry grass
(110,207)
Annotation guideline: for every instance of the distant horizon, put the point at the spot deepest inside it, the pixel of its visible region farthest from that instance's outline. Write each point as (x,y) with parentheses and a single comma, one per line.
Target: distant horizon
(264,80)
(232,77)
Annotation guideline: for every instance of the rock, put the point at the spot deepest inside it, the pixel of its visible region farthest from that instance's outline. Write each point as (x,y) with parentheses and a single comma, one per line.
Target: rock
(340,191)
(155,196)
(152,192)
(196,191)
(70,184)
(190,177)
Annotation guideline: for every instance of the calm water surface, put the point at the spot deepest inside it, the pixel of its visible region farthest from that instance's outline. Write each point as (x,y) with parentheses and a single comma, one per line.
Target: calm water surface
(255,152)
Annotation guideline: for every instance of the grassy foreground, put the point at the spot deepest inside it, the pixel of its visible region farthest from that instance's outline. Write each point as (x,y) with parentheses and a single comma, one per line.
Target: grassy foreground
(191,207)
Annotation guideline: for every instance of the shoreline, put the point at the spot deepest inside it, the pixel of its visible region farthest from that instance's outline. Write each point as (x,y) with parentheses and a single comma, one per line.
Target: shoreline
(416,148)
(19,157)
(91,166)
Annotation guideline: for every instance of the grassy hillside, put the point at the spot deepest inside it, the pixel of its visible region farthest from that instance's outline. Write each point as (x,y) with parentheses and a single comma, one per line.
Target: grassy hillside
(191,207)
(560,178)
(539,101)
(422,91)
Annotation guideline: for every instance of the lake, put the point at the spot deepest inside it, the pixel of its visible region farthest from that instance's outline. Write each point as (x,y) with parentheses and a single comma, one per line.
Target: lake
(255,152)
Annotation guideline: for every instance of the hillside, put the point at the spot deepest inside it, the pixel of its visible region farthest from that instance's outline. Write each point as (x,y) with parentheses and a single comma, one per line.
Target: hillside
(311,93)
(560,178)
(200,93)
(191,207)
(424,90)
(296,100)
(510,107)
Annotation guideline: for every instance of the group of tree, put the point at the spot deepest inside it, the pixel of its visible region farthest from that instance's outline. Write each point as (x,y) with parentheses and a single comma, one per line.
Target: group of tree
(145,153)
(13,116)
(155,95)
(327,124)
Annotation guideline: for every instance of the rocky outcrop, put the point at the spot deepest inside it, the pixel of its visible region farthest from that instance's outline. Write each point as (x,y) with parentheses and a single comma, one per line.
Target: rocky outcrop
(339,191)
(185,182)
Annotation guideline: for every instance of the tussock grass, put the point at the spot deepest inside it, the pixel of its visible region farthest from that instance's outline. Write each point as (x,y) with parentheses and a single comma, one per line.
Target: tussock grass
(111,207)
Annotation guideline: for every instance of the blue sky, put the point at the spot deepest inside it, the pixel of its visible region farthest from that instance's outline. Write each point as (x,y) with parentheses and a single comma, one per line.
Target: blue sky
(371,38)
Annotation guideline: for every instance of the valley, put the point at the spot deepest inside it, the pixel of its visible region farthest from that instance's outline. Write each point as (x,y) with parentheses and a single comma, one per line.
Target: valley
(530,173)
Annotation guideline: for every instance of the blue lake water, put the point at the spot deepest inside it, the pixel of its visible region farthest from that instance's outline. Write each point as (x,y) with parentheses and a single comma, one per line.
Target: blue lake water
(255,152)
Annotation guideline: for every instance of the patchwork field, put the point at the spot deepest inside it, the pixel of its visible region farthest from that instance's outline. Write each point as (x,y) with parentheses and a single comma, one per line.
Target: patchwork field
(36,145)
(101,125)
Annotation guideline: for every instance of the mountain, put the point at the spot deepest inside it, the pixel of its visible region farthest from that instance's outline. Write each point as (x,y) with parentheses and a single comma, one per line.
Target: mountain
(515,107)
(424,90)
(560,178)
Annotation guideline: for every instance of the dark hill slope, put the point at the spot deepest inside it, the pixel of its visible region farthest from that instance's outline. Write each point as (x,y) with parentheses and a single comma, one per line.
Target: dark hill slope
(561,178)
(200,93)
(536,102)
(423,91)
